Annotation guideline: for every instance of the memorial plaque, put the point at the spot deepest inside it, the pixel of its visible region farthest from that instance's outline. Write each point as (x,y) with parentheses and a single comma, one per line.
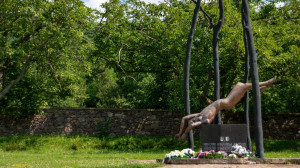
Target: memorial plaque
(224,146)
(223,137)
(209,146)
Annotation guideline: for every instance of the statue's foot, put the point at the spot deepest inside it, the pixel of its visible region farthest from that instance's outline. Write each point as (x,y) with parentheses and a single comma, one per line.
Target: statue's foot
(183,136)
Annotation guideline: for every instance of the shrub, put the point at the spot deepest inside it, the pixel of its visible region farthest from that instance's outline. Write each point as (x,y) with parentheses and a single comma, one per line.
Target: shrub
(102,130)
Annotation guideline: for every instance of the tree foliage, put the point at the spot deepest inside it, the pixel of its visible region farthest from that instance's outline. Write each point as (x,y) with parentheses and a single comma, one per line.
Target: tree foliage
(45,43)
(131,54)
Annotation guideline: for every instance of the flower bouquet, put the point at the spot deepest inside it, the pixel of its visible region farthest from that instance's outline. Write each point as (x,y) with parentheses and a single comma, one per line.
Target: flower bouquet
(212,154)
(241,152)
(184,154)
(237,152)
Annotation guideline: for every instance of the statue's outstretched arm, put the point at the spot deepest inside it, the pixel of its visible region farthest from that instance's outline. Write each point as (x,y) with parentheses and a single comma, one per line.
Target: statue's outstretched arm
(188,117)
(193,125)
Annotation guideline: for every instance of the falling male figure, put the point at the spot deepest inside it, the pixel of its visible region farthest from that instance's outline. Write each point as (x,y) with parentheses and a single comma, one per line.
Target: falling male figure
(207,115)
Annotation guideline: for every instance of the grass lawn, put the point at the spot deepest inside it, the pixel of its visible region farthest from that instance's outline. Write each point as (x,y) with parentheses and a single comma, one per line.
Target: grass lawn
(281,148)
(75,159)
(85,151)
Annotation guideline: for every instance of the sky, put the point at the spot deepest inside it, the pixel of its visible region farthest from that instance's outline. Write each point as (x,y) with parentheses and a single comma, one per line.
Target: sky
(96,3)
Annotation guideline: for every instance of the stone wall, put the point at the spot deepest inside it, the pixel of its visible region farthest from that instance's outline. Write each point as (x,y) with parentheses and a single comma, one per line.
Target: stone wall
(72,121)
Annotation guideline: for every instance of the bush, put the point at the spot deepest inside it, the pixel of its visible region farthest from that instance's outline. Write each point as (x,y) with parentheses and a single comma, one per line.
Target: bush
(102,130)
(147,144)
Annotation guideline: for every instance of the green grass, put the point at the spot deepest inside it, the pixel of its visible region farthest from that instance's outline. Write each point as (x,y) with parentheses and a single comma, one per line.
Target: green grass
(77,151)
(86,151)
(73,159)
(281,148)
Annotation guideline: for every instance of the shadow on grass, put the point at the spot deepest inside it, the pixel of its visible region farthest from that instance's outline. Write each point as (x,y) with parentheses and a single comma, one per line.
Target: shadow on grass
(18,142)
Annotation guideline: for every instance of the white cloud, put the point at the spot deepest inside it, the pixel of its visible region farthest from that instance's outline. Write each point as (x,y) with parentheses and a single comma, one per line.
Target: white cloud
(153,1)
(95,4)
(279,4)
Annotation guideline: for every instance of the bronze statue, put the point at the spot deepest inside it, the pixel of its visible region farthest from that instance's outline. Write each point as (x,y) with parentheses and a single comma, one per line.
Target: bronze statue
(207,115)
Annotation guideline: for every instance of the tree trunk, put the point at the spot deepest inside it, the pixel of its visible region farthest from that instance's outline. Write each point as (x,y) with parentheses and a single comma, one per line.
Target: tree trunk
(216,30)
(246,97)
(1,78)
(187,68)
(13,82)
(255,79)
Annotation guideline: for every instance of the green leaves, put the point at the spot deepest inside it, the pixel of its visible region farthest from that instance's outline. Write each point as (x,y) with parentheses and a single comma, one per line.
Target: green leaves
(52,33)
(131,55)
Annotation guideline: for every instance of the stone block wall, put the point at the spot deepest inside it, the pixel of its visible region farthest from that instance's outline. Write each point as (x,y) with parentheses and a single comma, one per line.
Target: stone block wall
(275,126)
(74,121)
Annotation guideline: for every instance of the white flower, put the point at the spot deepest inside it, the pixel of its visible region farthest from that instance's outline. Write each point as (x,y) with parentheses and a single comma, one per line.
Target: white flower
(187,151)
(232,156)
(236,147)
(175,153)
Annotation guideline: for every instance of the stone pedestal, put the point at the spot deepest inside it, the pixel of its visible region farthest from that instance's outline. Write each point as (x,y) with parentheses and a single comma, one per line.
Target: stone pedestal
(223,137)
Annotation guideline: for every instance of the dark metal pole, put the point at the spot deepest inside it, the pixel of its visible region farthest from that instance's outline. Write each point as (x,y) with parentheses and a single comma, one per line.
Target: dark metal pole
(187,69)
(216,30)
(246,97)
(255,80)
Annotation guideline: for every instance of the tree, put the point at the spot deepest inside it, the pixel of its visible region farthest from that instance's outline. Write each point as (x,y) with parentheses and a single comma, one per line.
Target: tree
(143,42)
(139,52)
(187,69)
(41,43)
(246,97)
(149,38)
(254,77)
(275,30)
(216,30)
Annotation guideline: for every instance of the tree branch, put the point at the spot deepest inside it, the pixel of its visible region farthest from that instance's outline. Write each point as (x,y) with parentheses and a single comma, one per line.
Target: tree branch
(204,98)
(21,76)
(279,73)
(5,33)
(154,40)
(28,37)
(207,16)
(102,17)
(119,60)
(56,76)
(210,75)
(221,14)
(231,81)
(1,78)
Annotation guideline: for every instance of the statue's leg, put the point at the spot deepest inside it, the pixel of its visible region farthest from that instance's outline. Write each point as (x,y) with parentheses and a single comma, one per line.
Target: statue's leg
(262,85)
(237,93)
(262,88)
